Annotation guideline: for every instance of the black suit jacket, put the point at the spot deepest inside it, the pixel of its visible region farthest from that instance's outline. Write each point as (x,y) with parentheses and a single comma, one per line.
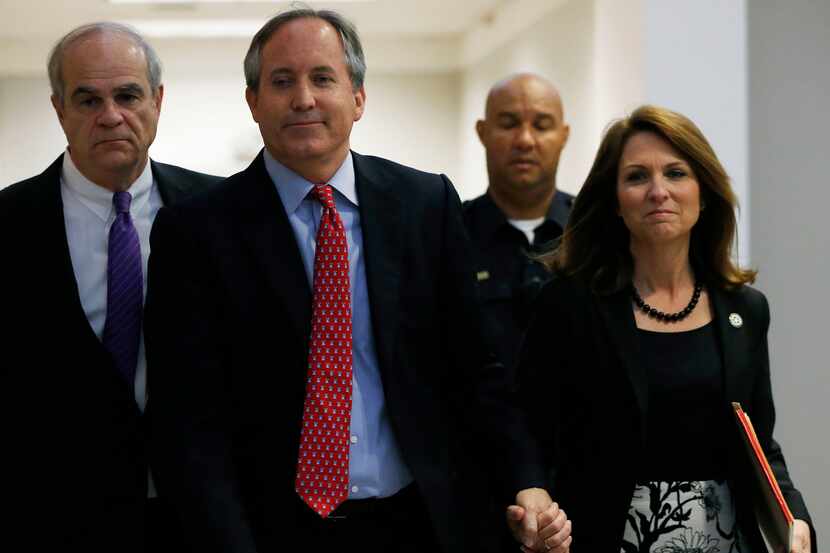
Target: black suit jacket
(74,458)
(581,370)
(228,341)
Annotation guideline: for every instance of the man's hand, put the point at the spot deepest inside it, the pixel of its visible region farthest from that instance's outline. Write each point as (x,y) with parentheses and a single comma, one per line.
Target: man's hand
(538,523)
(801,537)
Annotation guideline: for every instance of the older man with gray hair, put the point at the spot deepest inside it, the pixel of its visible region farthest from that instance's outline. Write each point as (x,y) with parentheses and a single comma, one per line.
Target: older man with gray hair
(75,243)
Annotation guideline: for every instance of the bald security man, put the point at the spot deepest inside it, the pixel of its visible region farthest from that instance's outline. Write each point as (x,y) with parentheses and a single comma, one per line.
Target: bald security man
(522,212)
(523,133)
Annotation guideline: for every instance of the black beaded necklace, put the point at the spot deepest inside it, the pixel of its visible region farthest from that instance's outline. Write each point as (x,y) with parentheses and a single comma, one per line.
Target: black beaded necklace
(667,317)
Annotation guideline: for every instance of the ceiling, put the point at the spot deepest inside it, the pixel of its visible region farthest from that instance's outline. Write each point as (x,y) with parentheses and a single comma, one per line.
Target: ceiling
(26,19)
(400,36)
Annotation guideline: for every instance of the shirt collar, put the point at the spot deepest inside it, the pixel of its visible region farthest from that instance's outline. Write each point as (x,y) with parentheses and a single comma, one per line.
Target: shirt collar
(293,188)
(99,199)
(560,208)
(494,218)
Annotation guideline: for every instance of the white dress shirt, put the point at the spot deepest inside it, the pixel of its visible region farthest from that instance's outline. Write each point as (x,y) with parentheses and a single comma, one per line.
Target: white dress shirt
(88,214)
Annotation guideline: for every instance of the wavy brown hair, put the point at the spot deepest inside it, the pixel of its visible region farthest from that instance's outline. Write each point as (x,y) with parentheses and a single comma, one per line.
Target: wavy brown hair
(595,244)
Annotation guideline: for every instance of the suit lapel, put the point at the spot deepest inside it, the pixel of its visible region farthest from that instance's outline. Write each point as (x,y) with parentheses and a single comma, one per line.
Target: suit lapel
(618,316)
(382,221)
(171,189)
(56,249)
(732,341)
(619,319)
(268,235)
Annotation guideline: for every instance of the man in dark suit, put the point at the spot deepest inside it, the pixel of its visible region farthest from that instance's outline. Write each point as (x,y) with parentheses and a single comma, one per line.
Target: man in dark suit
(313,333)
(75,243)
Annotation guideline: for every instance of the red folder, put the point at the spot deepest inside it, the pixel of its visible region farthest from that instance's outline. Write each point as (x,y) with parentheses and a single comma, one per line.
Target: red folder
(774,516)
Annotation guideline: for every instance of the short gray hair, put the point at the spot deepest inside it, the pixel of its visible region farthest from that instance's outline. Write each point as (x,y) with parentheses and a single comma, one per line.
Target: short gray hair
(355,60)
(55,62)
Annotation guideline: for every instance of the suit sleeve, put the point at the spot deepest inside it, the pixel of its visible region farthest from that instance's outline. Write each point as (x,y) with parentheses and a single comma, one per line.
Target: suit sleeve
(186,352)
(763,416)
(488,403)
(537,390)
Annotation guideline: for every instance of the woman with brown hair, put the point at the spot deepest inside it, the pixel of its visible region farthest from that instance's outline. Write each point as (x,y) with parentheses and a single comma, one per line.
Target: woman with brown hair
(654,331)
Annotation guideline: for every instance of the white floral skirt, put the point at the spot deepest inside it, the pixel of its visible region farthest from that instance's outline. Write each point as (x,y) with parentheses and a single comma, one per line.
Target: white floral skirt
(681,517)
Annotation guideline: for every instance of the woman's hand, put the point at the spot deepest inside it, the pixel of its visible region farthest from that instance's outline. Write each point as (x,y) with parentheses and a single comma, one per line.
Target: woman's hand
(801,537)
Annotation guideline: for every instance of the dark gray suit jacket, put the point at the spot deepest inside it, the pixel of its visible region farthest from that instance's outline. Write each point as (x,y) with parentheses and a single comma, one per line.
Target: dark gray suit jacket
(74,459)
(228,323)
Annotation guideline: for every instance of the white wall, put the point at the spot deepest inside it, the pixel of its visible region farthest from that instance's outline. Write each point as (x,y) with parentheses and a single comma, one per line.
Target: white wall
(411,119)
(619,60)
(206,125)
(696,63)
(30,137)
(789,121)
(559,46)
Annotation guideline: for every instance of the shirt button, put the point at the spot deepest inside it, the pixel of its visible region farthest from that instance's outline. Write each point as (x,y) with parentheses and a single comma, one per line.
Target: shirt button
(355,489)
(353,439)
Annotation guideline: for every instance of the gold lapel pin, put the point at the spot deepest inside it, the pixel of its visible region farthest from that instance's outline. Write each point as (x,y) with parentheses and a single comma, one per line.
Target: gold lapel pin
(482,275)
(736,320)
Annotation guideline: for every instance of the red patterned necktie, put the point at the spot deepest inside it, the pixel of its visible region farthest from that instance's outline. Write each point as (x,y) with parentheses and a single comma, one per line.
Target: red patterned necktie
(323,466)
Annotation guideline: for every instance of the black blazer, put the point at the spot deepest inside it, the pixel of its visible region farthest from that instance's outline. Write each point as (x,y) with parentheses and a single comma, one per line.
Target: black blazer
(74,455)
(227,342)
(581,373)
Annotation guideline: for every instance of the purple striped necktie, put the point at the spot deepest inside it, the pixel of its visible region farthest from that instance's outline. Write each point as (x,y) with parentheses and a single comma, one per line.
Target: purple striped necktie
(125,290)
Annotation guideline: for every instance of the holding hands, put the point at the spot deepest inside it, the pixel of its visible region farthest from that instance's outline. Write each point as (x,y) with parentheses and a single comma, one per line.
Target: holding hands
(538,523)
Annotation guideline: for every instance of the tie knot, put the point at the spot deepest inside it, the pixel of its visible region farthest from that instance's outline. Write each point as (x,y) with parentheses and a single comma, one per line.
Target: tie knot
(324,194)
(121,201)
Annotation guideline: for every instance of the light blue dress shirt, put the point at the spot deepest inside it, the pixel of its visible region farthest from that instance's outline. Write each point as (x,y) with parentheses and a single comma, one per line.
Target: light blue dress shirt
(376,467)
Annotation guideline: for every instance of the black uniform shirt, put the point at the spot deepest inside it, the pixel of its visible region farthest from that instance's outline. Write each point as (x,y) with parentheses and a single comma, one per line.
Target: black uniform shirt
(508,278)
